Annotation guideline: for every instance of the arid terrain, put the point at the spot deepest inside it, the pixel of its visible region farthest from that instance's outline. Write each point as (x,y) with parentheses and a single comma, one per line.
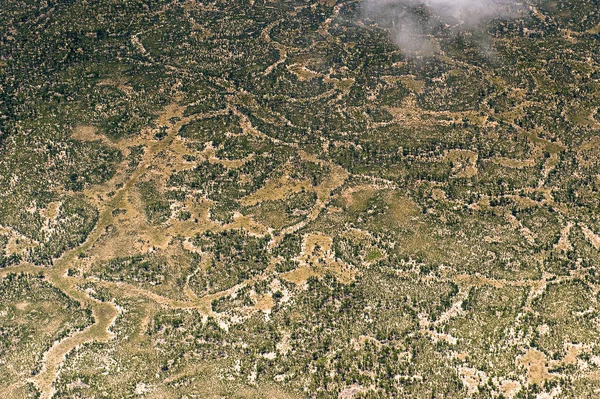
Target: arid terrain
(276,199)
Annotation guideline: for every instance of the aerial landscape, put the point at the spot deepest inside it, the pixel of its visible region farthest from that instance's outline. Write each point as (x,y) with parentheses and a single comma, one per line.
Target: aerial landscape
(348,199)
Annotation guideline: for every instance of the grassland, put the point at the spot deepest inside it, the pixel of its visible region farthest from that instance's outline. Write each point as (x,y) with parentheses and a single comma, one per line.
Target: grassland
(252,199)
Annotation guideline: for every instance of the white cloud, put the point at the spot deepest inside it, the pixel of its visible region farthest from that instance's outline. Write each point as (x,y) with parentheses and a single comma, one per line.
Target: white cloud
(413,24)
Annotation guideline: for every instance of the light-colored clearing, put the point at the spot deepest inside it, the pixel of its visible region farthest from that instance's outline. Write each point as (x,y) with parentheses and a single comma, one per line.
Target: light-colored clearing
(537,366)
(104,315)
(350,392)
(465,162)
(316,259)
(472,378)
(86,133)
(247,223)
(563,243)
(402,209)
(276,189)
(302,72)
(514,163)
(594,31)
(592,237)
(572,352)
(264,303)
(510,388)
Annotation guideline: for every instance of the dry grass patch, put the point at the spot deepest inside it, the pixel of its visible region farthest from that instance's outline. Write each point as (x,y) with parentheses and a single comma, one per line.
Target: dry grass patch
(248,224)
(302,72)
(276,189)
(86,133)
(264,302)
(402,210)
(317,259)
(592,237)
(341,84)
(18,244)
(563,243)
(537,366)
(413,84)
(464,162)
(355,199)
(510,388)
(514,163)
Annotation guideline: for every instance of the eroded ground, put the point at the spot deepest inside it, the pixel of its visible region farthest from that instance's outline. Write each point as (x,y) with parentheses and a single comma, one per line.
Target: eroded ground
(268,199)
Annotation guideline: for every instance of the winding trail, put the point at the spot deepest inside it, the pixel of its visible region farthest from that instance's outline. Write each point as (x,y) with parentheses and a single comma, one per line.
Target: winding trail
(104,313)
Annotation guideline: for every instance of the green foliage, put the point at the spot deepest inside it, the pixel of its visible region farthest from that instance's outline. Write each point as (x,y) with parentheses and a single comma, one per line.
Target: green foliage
(156,207)
(35,315)
(463,227)
(235,257)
